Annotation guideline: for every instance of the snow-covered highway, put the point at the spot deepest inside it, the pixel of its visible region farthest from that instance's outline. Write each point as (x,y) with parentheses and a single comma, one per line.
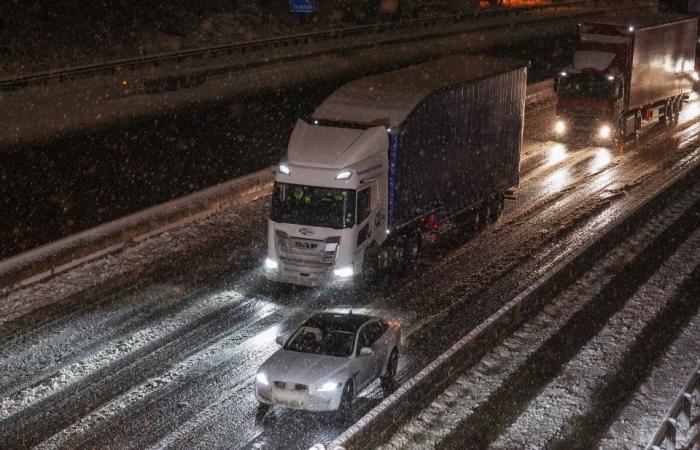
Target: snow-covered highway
(164,353)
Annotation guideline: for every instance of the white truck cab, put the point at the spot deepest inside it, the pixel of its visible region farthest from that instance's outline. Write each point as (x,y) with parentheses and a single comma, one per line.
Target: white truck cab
(329,202)
(390,161)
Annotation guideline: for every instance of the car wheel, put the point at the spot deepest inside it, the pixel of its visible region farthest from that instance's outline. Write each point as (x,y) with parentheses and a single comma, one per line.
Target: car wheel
(263,408)
(346,398)
(389,378)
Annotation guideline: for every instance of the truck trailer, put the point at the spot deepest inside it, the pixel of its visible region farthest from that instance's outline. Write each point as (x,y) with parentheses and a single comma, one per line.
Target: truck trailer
(625,72)
(389,160)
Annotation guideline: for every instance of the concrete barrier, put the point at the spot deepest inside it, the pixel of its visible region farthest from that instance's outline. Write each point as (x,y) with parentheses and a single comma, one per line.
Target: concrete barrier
(87,245)
(58,256)
(379,423)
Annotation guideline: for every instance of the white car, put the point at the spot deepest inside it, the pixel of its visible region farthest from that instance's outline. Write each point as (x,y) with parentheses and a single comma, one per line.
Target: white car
(328,360)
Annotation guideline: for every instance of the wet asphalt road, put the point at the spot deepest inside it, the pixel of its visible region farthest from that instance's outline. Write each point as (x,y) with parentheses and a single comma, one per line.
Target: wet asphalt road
(169,361)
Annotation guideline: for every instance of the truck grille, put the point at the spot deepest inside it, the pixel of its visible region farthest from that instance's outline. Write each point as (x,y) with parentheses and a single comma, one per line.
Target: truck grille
(306,257)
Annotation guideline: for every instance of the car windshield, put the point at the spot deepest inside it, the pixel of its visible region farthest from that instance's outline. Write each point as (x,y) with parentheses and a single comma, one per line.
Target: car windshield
(313,206)
(321,340)
(586,86)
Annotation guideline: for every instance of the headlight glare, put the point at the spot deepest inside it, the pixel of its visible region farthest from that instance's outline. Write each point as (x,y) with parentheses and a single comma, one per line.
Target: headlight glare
(343,175)
(328,387)
(270,264)
(604,131)
(560,127)
(344,272)
(261,378)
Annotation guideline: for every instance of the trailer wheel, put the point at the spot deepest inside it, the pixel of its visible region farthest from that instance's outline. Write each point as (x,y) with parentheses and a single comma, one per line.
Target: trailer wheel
(676,108)
(411,247)
(668,112)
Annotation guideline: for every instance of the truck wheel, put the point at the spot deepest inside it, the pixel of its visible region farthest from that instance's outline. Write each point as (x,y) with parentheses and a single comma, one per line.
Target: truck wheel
(477,220)
(676,108)
(497,208)
(668,111)
(411,249)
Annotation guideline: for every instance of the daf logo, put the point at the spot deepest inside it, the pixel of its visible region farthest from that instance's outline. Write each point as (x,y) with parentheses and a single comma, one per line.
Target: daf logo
(306,231)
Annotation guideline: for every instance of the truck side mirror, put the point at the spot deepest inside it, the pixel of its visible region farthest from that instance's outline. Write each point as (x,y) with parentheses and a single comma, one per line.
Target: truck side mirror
(366,351)
(280,340)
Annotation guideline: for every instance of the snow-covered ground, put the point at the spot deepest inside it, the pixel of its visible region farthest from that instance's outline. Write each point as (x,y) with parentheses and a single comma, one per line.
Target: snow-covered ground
(166,352)
(490,381)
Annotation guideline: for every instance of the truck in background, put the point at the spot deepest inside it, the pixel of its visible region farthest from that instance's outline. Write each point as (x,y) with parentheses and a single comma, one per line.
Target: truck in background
(625,72)
(389,160)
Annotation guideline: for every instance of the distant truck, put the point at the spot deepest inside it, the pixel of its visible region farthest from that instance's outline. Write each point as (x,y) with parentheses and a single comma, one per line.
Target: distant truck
(389,160)
(625,72)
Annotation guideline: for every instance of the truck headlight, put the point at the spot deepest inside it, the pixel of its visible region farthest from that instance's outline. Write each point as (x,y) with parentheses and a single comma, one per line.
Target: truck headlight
(328,387)
(344,272)
(270,264)
(262,379)
(560,127)
(343,175)
(604,131)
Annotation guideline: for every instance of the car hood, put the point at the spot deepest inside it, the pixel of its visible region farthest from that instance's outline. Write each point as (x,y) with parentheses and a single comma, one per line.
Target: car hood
(303,368)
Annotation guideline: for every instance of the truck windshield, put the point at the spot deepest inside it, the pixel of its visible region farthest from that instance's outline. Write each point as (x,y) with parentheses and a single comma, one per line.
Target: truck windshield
(313,206)
(586,86)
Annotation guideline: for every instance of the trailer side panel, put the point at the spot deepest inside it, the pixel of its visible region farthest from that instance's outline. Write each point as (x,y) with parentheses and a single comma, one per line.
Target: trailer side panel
(662,60)
(460,146)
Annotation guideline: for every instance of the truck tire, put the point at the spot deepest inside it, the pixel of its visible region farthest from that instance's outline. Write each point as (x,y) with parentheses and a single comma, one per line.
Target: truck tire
(667,113)
(477,222)
(497,208)
(677,108)
(411,248)
(618,135)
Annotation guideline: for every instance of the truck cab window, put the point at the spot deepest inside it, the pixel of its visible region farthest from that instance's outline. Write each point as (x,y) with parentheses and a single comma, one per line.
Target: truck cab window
(363,204)
(313,206)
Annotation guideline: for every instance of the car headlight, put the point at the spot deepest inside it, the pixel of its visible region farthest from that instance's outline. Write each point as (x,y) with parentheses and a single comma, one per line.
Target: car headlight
(604,131)
(270,264)
(328,387)
(560,127)
(344,272)
(262,379)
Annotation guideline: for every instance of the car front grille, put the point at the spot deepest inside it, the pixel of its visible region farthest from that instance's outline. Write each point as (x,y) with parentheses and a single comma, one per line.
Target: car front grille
(290,386)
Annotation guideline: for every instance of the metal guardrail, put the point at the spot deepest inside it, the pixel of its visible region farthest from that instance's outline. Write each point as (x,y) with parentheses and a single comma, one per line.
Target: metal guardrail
(416,393)
(112,67)
(679,417)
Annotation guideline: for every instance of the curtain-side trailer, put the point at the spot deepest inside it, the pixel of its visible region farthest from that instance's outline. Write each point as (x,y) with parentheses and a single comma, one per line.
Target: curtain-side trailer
(389,159)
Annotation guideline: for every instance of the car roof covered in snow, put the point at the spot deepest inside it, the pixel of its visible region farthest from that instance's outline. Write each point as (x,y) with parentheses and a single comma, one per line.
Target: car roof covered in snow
(388,98)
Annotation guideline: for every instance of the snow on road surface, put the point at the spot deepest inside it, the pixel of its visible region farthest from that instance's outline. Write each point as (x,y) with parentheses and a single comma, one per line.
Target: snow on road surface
(571,394)
(488,381)
(188,384)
